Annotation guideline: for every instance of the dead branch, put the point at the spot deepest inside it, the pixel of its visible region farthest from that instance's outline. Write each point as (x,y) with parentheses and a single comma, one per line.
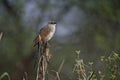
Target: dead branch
(90,77)
(56,74)
(25,77)
(43,61)
(61,65)
(1,34)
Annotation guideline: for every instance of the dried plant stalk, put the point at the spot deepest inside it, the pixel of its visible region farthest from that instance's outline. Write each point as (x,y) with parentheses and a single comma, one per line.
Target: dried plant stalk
(43,62)
(1,34)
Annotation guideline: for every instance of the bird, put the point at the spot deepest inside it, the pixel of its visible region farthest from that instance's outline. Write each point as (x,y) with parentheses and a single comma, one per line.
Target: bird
(45,33)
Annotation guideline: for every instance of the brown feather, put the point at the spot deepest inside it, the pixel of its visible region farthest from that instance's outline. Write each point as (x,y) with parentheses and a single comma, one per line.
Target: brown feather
(37,40)
(44,32)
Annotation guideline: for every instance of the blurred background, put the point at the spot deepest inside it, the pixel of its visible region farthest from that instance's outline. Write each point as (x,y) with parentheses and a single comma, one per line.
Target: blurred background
(91,26)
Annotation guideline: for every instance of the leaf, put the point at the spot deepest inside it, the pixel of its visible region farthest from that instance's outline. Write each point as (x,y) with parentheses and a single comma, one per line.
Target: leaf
(77,51)
(3,75)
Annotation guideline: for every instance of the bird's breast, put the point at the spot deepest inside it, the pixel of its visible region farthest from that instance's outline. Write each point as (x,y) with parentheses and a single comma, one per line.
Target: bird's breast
(51,33)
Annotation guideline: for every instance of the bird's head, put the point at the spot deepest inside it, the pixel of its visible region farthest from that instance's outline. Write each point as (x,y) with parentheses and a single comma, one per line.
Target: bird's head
(52,22)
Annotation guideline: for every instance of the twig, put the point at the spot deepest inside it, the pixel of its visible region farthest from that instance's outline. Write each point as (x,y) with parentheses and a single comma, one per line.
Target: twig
(38,68)
(55,74)
(25,76)
(61,65)
(90,77)
(58,77)
(83,72)
(1,34)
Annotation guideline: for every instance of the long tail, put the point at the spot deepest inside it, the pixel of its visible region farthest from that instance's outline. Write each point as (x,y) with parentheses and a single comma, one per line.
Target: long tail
(37,40)
(37,56)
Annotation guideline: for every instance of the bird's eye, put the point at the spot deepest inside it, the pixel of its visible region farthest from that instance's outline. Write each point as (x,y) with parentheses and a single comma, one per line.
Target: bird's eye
(53,22)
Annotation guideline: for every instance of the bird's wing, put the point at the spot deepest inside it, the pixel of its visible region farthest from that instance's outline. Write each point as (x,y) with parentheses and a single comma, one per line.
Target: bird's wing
(37,40)
(45,31)
(42,34)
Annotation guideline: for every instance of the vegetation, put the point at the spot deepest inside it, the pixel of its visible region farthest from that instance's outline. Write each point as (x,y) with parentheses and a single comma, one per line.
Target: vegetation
(86,72)
(89,25)
(111,68)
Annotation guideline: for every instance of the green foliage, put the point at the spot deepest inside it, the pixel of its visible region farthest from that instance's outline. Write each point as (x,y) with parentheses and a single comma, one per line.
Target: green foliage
(86,72)
(80,70)
(3,76)
(112,63)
